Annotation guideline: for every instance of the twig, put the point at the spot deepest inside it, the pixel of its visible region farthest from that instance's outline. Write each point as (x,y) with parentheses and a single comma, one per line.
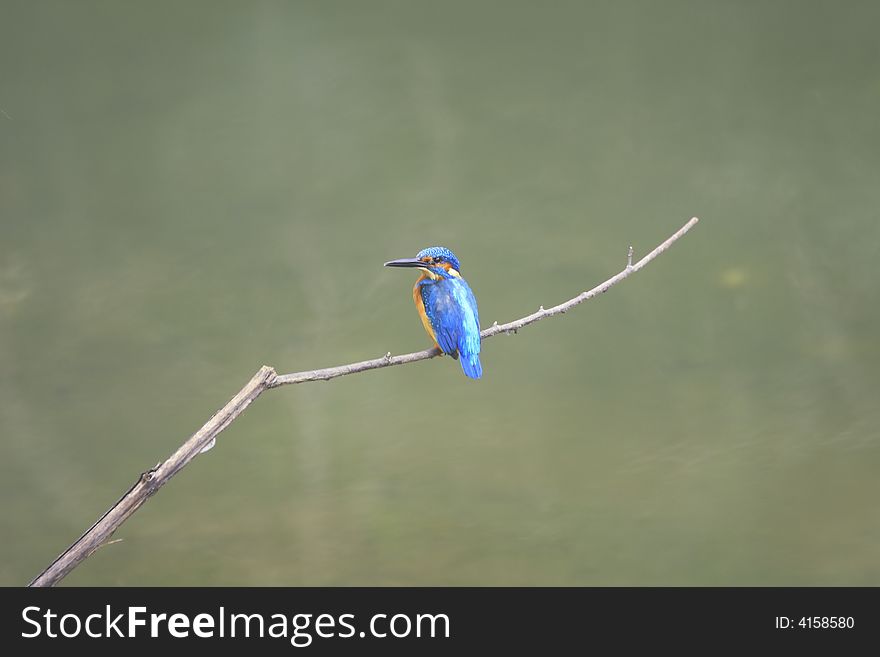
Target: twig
(152,480)
(511,327)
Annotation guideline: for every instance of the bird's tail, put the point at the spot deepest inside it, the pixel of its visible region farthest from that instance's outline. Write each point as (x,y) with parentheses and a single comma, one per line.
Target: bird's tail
(470,363)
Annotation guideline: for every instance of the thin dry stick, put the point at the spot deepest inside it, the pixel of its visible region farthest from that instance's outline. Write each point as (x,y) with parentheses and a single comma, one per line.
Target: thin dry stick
(152,480)
(511,327)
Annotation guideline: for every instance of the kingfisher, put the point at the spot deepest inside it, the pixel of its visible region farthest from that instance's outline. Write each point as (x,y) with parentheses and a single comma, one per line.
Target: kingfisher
(447,306)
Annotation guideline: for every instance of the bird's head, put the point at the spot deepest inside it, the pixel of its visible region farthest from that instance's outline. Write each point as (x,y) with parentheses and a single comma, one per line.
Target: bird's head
(436,261)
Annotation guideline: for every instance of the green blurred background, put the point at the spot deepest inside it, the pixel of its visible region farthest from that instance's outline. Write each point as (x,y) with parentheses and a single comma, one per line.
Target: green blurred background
(189,190)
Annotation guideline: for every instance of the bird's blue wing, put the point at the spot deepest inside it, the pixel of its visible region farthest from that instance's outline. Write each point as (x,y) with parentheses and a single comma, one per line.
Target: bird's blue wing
(452,310)
(469,335)
(443,313)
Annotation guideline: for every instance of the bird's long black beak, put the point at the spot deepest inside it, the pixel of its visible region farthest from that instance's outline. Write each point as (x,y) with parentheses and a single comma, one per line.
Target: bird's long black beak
(406,262)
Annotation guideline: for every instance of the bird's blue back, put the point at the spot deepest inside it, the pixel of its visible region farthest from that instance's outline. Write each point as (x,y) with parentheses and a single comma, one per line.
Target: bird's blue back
(452,310)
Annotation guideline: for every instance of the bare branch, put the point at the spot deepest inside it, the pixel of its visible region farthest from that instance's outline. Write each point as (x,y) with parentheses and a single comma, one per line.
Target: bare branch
(511,327)
(152,480)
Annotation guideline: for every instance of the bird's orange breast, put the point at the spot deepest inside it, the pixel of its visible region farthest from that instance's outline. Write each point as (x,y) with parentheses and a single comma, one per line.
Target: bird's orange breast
(420,306)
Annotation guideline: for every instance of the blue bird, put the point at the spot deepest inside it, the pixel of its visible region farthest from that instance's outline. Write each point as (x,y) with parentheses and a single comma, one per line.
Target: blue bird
(447,306)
